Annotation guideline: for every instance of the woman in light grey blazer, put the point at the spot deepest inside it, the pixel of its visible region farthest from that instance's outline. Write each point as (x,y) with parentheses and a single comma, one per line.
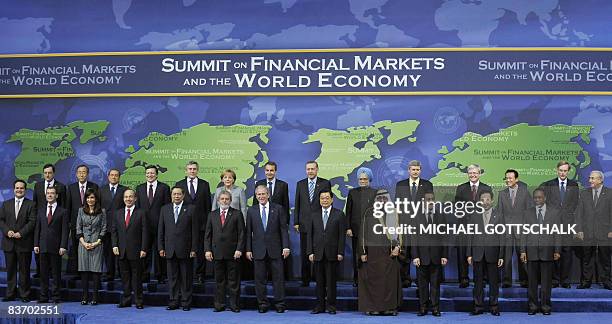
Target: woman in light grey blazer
(228,177)
(91,227)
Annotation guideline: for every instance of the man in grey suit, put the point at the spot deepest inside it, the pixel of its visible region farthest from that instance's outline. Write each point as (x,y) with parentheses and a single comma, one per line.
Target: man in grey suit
(539,251)
(512,203)
(594,226)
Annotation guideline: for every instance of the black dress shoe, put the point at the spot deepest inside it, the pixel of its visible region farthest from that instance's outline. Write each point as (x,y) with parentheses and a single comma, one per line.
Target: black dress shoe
(584,285)
(172,307)
(464,284)
(495,312)
(331,312)
(476,312)
(315,311)
(43,301)
(546,313)
(531,312)
(566,285)
(83,302)
(220,309)
(355,284)
(123,305)
(422,312)
(94,303)
(8,299)
(186,308)
(139,307)
(436,313)
(25,300)
(406,284)
(262,309)
(507,285)
(235,310)
(524,284)
(281,309)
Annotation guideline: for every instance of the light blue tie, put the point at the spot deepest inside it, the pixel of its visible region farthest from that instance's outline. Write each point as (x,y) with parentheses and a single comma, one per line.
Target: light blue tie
(325,218)
(264,218)
(311,186)
(176,213)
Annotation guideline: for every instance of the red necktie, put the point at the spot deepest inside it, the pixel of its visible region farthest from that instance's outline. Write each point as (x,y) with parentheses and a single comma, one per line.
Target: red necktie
(474,192)
(150,195)
(222,217)
(50,214)
(127,217)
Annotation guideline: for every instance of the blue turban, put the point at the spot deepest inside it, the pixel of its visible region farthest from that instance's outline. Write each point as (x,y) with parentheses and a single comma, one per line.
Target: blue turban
(367,172)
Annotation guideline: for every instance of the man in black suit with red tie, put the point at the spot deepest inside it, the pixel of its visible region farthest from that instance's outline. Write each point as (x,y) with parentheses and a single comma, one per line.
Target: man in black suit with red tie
(412,189)
(468,191)
(429,254)
(177,238)
(563,194)
(130,236)
(17,222)
(111,197)
(151,197)
(197,193)
(306,202)
(267,244)
(40,199)
(75,199)
(539,251)
(224,243)
(51,243)
(326,237)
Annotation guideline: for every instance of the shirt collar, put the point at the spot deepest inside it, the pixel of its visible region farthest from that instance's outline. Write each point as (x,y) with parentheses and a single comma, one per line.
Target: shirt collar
(179,205)
(477,183)
(543,208)
(267,206)
(559,180)
(53,206)
(52,182)
(328,210)
(313,180)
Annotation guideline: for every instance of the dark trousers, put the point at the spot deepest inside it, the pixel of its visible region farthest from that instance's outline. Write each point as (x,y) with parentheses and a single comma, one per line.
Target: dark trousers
(227,277)
(131,280)
(278,281)
(540,271)
(563,266)
(50,263)
(326,273)
(306,264)
(37,262)
(73,253)
(355,257)
(603,258)
(180,279)
(110,260)
(462,265)
(153,260)
(17,262)
(200,259)
(85,276)
(522,269)
(428,278)
(490,268)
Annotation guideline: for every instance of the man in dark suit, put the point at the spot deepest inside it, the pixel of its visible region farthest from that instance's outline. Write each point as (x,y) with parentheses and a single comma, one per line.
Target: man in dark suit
(267,244)
(151,197)
(412,189)
(17,221)
(197,194)
(539,251)
(485,252)
(468,191)
(177,237)
(111,197)
(51,243)
(306,202)
(40,200)
(429,254)
(512,203)
(326,237)
(594,226)
(279,194)
(563,193)
(358,201)
(75,199)
(129,234)
(224,243)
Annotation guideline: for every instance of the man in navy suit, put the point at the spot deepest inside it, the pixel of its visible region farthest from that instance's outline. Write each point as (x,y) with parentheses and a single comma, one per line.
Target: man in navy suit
(177,237)
(152,196)
(563,194)
(130,241)
(40,197)
(306,202)
(197,194)
(17,222)
(111,197)
(50,243)
(267,244)
(468,191)
(412,189)
(75,197)
(326,237)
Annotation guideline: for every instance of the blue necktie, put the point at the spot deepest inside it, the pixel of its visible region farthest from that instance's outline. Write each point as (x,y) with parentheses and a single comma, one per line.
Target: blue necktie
(325,218)
(413,191)
(270,187)
(176,213)
(562,191)
(113,192)
(264,218)
(311,187)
